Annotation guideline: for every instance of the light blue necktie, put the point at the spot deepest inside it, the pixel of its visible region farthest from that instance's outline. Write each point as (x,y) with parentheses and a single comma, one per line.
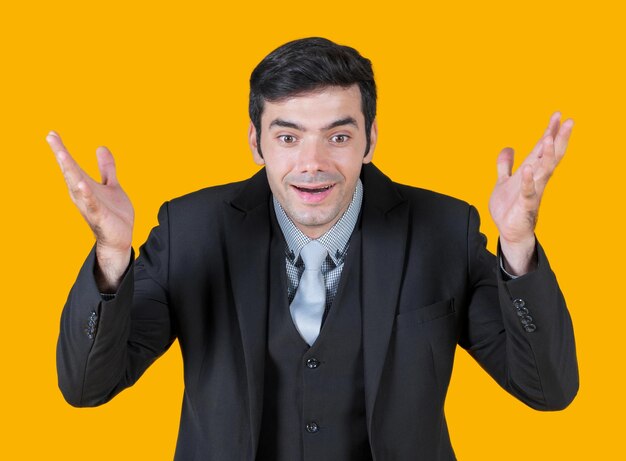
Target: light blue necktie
(307,307)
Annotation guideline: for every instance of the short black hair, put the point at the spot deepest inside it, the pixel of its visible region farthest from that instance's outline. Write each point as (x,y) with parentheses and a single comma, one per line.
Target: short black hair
(306,65)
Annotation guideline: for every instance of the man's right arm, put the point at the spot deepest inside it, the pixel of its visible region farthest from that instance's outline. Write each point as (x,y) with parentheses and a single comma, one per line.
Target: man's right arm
(106,344)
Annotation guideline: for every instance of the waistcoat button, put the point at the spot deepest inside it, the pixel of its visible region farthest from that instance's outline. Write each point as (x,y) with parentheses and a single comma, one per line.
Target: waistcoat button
(312,427)
(312,363)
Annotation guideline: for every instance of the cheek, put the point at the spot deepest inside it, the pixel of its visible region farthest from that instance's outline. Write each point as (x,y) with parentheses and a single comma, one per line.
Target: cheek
(278,166)
(351,170)
(276,175)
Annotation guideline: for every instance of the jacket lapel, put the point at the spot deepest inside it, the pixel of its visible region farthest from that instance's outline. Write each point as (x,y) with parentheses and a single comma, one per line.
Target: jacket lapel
(248,226)
(384,230)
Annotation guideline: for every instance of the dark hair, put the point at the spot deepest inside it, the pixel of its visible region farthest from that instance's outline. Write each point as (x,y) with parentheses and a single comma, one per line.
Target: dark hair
(306,65)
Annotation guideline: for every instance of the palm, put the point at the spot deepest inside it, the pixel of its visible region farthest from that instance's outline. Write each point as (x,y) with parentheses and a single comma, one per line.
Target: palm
(114,222)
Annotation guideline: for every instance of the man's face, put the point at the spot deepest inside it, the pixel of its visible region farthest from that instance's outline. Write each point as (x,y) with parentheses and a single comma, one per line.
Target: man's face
(313,148)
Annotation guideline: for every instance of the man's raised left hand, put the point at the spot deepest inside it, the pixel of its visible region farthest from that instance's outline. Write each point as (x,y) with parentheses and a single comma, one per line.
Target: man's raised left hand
(515,200)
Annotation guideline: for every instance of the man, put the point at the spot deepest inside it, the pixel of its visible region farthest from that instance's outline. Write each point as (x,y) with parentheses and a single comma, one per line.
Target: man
(318,305)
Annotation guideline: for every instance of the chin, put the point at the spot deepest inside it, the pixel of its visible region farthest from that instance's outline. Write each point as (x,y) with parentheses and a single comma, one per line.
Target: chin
(306,218)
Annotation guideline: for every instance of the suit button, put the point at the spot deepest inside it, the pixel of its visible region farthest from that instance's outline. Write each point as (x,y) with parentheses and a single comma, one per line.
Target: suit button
(526,320)
(530,327)
(312,363)
(519,303)
(522,312)
(312,427)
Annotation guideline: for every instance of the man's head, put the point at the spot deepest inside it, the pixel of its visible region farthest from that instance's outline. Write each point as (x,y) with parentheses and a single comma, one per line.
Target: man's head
(305,66)
(312,110)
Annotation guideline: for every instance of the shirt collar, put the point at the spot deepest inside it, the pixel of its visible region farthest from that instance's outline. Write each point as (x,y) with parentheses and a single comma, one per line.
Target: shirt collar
(335,240)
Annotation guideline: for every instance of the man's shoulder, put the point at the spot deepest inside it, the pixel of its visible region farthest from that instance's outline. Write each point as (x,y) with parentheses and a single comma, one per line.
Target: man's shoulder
(426,197)
(382,190)
(435,209)
(203,211)
(209,195)
(218,195)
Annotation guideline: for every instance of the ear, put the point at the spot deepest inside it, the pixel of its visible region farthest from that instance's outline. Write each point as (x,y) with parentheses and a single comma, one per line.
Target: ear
(373,139)
(252,140)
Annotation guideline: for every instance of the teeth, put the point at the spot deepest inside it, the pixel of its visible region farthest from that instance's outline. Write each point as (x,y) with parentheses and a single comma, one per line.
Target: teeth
(314,190)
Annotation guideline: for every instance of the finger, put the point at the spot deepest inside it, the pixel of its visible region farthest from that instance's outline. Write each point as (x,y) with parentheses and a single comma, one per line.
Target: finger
(55,142)
(528,182)
(505,163)
(562,138)
(106,165)
(72,172)
(534,154)
(548,162)
(57,146)
(548,158)
(551,131)
(553,125)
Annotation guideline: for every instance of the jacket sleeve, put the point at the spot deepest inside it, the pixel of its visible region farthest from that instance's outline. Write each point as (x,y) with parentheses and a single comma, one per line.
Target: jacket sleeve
(104,346)
(520,330)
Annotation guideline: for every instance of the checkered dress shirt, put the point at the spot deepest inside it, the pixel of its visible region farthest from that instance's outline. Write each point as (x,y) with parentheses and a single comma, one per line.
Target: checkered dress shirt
(336,240)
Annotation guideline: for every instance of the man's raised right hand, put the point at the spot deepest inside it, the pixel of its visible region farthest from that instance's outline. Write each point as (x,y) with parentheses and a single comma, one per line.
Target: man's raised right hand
(105,207)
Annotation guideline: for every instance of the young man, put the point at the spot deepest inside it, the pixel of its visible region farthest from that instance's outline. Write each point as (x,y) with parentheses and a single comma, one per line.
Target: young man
(318,305)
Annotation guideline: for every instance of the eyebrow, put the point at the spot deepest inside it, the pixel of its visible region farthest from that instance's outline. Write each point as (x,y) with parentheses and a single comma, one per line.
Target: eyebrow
(341,122)
(287,124)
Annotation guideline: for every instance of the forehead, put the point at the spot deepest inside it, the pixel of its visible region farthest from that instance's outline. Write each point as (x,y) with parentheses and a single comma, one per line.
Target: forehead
(316,109)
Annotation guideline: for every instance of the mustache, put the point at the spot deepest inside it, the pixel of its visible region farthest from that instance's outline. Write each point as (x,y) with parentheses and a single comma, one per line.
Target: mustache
(316,178)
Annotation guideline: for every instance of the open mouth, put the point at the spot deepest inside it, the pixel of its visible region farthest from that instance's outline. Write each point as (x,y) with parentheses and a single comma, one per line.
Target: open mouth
(314,190)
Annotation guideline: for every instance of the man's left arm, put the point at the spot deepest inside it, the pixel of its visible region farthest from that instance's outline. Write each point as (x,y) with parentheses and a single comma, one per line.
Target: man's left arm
(520,330)
(534,356)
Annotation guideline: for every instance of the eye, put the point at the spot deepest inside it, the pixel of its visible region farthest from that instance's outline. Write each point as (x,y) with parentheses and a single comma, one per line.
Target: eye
(287,138)
(339,138)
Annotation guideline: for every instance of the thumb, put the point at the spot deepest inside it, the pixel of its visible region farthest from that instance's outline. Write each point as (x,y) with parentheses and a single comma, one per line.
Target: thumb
(106,165)
(505,163)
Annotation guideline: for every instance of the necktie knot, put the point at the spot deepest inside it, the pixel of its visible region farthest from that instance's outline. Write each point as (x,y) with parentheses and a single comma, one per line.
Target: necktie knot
(313,255)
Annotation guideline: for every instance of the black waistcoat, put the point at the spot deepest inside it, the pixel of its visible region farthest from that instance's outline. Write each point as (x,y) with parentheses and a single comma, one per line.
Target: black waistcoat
(314,400)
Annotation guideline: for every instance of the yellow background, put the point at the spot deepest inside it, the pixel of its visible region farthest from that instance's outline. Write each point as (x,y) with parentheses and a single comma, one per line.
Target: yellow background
(165,86)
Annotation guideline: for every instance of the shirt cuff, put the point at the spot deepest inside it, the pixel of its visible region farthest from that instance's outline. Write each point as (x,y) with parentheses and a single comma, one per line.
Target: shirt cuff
(505,274)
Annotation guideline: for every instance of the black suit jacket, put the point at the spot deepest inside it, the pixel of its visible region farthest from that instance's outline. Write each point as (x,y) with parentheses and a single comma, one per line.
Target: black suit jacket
(428,285)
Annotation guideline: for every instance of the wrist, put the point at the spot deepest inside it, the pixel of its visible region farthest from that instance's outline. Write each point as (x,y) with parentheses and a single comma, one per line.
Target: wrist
(111,265)
(519,257)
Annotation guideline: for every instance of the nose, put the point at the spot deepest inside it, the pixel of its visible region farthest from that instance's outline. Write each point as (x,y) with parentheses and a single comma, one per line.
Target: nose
(312,156)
